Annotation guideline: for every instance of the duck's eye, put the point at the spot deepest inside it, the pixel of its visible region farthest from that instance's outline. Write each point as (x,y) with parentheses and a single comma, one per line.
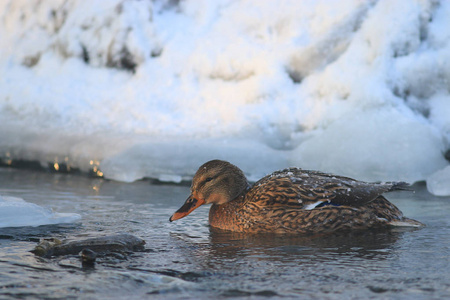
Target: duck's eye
(208,179)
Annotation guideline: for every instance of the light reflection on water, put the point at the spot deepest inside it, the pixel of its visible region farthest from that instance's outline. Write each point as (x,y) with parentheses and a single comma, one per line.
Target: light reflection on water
(186,259)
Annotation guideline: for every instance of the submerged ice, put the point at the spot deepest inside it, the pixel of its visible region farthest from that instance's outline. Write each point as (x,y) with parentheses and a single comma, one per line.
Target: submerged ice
(154,89)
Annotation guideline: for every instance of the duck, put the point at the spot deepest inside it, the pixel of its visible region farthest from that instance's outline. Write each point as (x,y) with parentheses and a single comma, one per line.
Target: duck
(291,200)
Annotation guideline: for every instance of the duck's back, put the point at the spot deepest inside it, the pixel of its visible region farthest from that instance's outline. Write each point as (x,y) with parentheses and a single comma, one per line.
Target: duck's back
(299,201)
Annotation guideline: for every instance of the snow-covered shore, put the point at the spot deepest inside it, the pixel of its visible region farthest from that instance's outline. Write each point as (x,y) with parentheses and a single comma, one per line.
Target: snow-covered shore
(154,89)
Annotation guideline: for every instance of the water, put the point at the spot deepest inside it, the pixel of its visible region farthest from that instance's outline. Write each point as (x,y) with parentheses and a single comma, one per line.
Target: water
(185,260)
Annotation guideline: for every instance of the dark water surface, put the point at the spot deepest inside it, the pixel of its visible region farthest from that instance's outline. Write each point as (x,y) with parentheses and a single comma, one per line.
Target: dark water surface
(185,260)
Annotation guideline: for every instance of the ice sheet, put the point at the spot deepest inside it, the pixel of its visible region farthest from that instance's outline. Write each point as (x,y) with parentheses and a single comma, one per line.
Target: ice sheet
(15,212)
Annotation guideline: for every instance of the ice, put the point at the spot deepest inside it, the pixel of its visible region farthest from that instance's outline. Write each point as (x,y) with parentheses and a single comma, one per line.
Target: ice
(15,212)
(134,89)
(439,183)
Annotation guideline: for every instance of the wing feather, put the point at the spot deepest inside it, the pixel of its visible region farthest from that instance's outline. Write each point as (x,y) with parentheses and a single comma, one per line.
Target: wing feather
(308,189)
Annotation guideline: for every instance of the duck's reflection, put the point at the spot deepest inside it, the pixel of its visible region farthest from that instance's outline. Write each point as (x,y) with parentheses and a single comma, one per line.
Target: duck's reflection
(365,243)
(223,247)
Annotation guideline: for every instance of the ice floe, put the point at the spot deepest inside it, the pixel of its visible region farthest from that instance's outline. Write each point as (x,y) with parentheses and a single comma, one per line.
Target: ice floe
(16,212)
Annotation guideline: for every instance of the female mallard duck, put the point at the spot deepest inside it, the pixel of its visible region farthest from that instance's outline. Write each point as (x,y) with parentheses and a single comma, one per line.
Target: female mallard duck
(291,201)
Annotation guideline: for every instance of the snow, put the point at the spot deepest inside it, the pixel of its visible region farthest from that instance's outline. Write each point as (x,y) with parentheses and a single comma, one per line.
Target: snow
(439,183)
(139,89)
(15,212)
(407,147)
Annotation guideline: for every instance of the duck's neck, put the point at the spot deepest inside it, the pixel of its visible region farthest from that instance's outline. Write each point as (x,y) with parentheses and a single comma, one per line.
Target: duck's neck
(226,216)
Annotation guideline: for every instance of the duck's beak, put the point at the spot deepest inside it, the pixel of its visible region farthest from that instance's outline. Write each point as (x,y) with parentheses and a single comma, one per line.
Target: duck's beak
(188,206)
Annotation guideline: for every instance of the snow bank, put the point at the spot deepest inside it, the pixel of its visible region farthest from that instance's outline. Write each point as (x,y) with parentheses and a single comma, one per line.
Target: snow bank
(153,89)
(15,212)
(439,183)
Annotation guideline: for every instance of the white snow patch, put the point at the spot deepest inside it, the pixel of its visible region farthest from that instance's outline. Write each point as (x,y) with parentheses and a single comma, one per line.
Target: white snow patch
(439,182)
(370,146)
(156,88)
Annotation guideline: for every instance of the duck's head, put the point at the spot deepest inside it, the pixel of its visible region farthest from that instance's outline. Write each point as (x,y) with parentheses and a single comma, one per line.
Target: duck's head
(216,182)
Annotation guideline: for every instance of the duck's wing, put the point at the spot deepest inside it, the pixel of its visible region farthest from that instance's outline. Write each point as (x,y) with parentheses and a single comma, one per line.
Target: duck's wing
(310,189)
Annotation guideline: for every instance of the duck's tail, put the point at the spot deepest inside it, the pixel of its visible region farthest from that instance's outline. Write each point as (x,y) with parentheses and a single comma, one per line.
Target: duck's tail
(399,186)
(406,222)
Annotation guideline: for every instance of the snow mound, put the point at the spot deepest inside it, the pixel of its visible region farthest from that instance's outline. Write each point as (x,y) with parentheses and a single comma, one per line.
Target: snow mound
(132,89)
(439,182)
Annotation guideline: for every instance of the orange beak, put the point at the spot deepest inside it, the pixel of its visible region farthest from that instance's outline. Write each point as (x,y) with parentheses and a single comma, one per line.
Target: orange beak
(188,206)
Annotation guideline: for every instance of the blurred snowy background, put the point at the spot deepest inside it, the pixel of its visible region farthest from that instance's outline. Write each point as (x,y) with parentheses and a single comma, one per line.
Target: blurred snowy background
(134,89)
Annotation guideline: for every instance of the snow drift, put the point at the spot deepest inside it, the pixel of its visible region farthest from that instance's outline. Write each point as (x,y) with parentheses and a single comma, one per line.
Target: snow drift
(154,89)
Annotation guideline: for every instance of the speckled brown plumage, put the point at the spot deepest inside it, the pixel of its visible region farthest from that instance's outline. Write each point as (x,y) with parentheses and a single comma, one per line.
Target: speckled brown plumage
(291,201)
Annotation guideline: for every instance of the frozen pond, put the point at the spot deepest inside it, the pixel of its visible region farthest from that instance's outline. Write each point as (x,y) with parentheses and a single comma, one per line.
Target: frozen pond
(185,260)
